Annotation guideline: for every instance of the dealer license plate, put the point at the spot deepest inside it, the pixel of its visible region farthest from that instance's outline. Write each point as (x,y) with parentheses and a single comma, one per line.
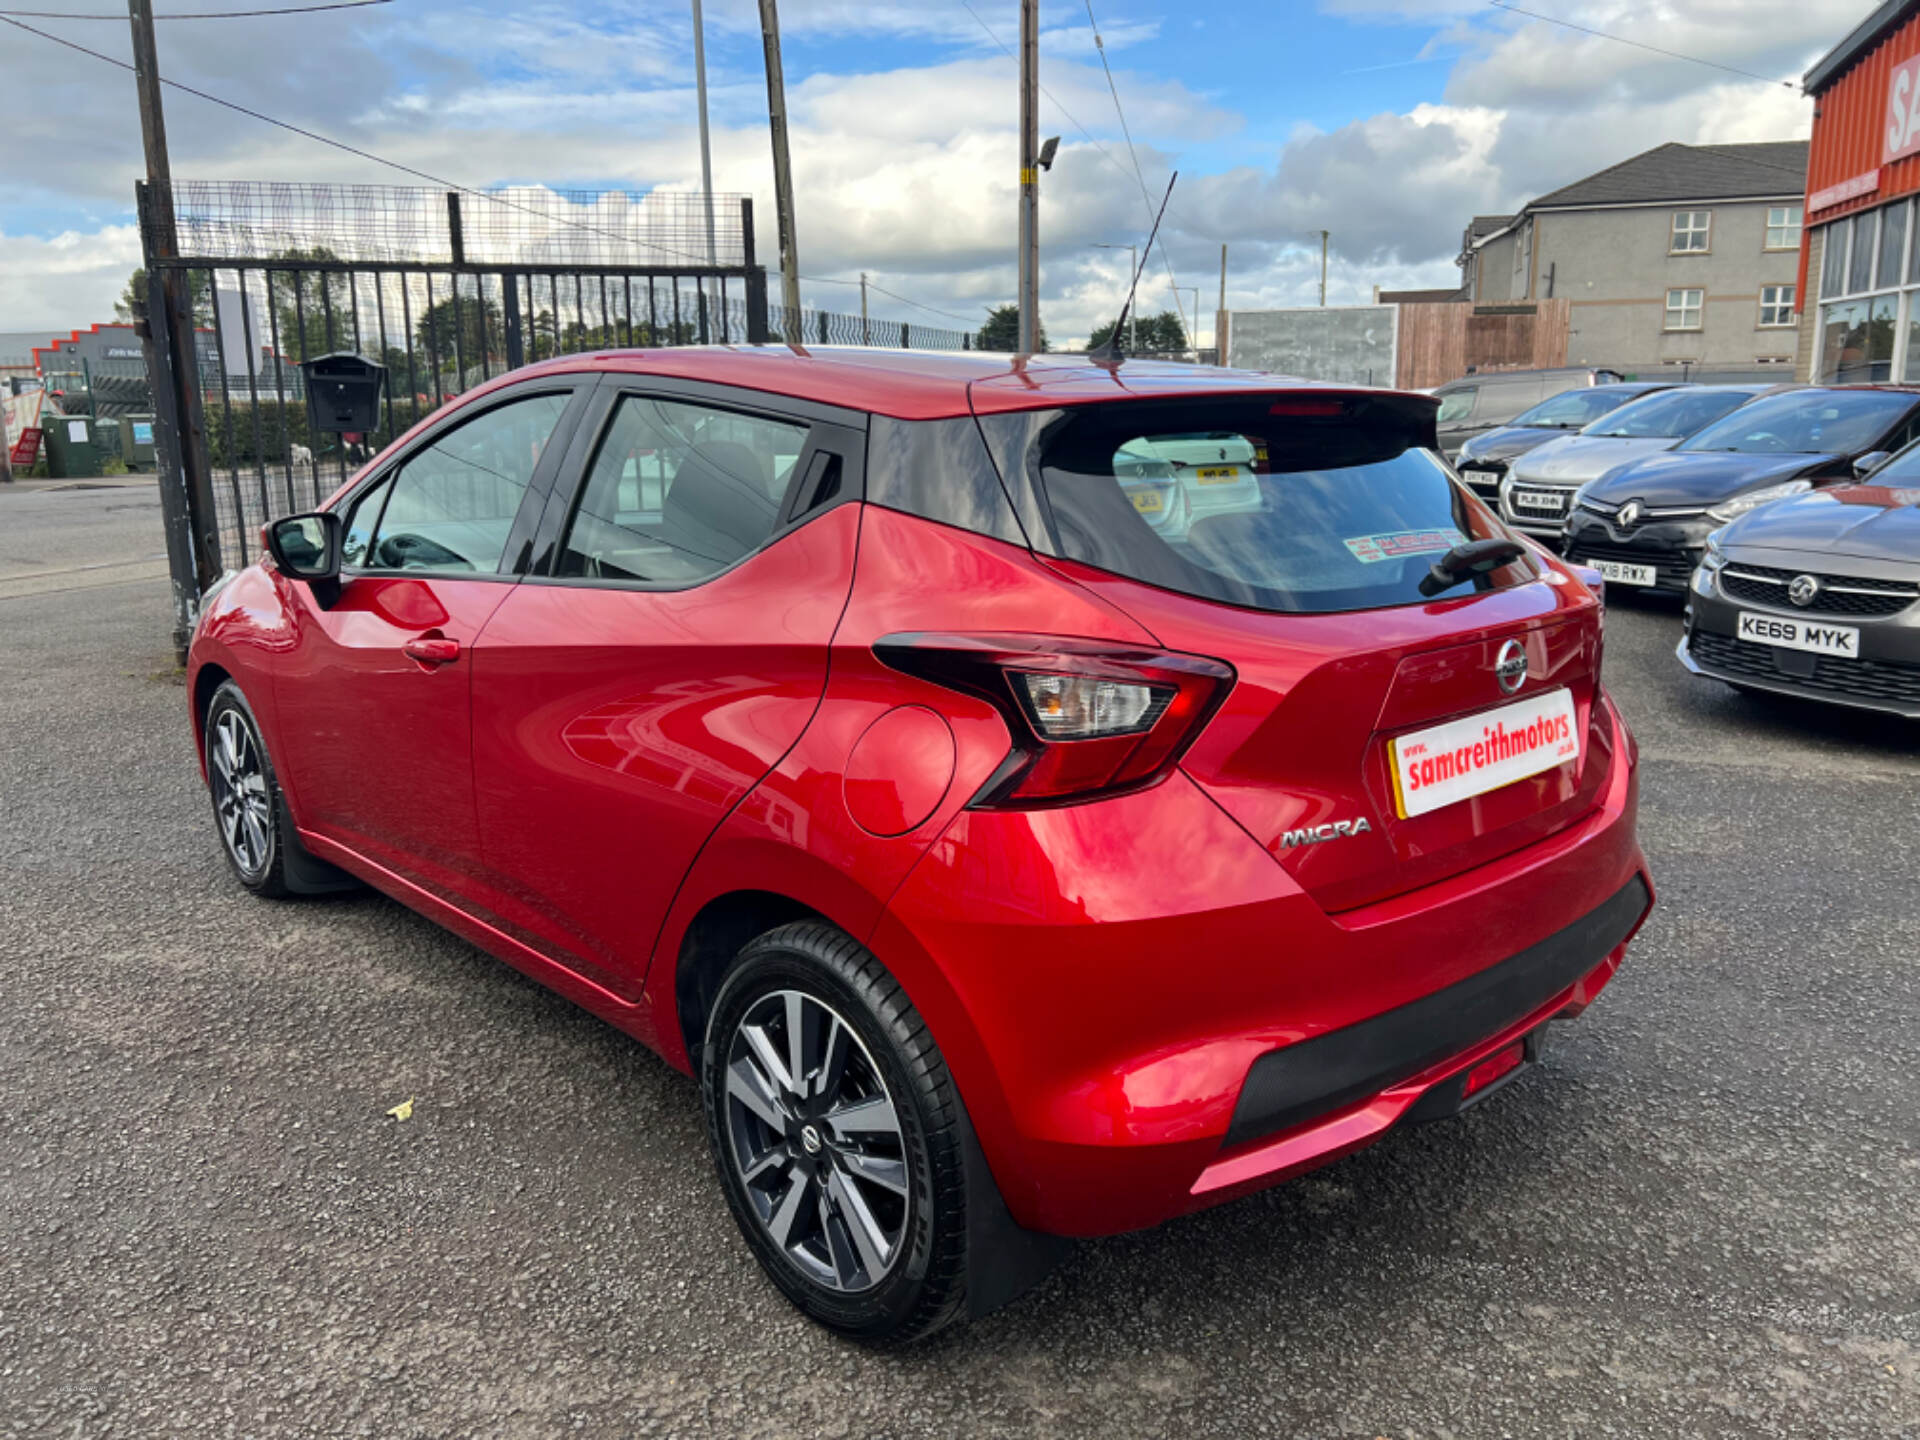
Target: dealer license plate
(1547,502)
(1791,633)
(1445,764)
(1625,574)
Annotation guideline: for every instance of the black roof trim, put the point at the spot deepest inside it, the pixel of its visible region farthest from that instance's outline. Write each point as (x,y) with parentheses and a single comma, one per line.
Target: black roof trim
(1868,33)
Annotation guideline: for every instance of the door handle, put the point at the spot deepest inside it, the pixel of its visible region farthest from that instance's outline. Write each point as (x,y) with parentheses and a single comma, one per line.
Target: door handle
(432,650)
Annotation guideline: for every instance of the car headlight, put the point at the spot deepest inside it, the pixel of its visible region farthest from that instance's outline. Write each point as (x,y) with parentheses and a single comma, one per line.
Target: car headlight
(1754,499)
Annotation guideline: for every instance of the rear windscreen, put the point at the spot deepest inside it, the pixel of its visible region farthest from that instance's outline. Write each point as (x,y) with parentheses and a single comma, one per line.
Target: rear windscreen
(1256,505)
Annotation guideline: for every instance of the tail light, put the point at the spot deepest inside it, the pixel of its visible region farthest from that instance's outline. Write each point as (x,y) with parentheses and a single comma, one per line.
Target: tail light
(1087,719)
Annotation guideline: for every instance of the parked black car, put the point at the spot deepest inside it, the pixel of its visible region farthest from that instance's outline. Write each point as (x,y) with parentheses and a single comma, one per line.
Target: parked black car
(1817,596)
(1646,523)
(1484,401)
(1483,460)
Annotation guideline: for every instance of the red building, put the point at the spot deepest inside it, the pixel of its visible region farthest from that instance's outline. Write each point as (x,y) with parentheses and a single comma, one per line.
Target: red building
(1859,263)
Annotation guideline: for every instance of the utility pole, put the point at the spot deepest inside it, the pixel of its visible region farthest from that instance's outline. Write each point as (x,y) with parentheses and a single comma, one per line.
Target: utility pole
(1220,315)
(706,151)
(782,169)
(173,360)
(866,330)
(1030,177)
(1323,267)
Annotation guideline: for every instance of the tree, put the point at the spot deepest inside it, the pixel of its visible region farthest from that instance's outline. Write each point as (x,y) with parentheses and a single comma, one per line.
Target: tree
(199,291)
(312,308)
(1158,334)
(474,322)
(1002,330)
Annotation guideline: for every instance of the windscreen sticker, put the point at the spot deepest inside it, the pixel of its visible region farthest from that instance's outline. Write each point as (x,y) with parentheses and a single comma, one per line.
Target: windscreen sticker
(1371,549)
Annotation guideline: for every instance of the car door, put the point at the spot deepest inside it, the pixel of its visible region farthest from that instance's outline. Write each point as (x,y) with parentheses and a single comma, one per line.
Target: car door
(667,649)
(375,696)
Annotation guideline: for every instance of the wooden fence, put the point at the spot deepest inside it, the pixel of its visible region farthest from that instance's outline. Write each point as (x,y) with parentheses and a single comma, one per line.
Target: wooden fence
(1442,342)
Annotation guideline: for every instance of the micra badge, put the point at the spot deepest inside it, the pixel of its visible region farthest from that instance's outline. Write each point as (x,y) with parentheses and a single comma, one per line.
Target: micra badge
(1332,830)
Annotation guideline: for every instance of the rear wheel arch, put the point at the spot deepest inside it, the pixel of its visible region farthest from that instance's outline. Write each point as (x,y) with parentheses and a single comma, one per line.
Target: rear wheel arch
(713,940)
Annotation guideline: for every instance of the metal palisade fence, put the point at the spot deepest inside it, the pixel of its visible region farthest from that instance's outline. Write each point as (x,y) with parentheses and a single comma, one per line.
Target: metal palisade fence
(446,289)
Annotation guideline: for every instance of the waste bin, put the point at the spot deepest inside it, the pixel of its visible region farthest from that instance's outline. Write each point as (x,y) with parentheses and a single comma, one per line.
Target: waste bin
(71,454)
(343,393)
(136,441)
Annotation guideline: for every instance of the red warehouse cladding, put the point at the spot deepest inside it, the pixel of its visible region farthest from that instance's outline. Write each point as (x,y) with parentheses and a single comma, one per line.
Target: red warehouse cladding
(1866,121)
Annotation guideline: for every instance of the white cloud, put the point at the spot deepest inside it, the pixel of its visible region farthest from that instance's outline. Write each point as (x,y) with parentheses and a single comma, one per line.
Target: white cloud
(908,171)
(68,280)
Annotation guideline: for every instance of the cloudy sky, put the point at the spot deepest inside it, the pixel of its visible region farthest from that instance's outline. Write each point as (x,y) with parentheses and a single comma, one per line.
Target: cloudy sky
(1385,122)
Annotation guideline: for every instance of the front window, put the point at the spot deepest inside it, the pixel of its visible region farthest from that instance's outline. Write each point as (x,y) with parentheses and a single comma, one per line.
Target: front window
(1572,409)
(1805,422)
(1776,305)
(1866,235)
(1669,414)
(1275,503)
(451,504)
(1690,229)
(1783,227)
(1683,309)
(1833,262)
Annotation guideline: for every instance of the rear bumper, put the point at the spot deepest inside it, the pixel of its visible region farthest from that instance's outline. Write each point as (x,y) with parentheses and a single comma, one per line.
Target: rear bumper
(1116,987)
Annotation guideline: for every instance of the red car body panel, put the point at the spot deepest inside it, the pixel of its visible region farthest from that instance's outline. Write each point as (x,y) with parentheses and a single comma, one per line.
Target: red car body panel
(602,766)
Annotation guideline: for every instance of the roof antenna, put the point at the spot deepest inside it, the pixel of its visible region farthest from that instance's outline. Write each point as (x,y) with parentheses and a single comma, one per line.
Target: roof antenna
(1109,352)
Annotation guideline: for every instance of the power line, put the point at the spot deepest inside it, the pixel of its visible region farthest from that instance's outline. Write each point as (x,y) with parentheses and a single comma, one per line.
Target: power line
(881,289)
(1641,45)
(418,173)
(198,15)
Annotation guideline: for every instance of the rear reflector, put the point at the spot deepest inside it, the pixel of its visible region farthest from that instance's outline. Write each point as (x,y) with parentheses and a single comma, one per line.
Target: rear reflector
(1495,1067)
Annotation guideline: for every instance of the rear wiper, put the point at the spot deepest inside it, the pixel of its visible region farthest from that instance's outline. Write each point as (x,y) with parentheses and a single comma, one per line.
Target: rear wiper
(1474,557)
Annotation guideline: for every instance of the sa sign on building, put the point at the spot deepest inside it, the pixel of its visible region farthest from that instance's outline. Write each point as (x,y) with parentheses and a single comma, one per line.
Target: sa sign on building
(1903,110)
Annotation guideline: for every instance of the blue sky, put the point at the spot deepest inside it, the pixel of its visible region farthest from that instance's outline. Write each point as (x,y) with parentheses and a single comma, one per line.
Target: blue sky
(1387,122)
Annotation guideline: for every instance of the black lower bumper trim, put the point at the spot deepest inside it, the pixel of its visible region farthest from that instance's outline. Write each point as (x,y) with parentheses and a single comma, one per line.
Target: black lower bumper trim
(1289,1087)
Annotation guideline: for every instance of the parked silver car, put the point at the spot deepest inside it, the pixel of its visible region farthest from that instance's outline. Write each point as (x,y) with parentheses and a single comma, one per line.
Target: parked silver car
(1537,492)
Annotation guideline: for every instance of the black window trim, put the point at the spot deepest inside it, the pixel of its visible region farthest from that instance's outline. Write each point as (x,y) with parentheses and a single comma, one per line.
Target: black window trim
(578,386)
(831,429)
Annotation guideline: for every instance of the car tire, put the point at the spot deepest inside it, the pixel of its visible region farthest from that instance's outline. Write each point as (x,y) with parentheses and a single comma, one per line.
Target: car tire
(248,809)
(849,1185)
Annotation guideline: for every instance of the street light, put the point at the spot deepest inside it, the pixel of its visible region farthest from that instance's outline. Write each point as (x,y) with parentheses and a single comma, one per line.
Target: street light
(1133,265)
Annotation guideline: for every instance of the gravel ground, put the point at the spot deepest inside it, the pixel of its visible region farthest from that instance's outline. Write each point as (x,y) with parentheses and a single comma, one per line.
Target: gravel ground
(1698,1218)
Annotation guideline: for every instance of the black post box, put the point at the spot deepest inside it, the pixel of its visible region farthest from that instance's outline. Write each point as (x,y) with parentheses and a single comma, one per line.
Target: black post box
(343,393)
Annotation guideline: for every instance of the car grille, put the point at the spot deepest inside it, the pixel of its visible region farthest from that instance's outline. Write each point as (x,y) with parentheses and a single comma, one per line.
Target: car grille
(1673,570)
(1839,594)
(1866,679)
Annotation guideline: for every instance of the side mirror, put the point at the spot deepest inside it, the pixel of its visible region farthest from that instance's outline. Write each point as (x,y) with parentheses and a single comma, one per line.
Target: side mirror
(306,547)
(1869,463)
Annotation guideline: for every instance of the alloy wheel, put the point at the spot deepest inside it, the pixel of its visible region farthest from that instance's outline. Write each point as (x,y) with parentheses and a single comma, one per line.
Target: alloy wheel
(815,1140)
(240,799)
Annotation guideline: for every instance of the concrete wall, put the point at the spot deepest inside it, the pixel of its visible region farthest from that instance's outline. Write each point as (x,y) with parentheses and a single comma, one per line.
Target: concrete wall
(1810,311)
(1614,266)
(1493,275)
(1351,344)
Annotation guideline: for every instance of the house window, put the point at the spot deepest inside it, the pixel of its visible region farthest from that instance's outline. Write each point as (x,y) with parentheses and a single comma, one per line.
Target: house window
(1776,305)
(1683,309)
(1783,227)
(1690,231)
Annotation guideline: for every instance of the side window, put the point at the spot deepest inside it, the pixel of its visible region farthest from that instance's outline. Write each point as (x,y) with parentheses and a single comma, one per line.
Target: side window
(679,492)
(1457,404)
(356,524)
(452,504)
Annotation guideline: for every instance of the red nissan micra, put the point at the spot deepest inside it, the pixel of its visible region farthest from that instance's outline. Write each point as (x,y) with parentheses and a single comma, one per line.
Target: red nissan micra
(1036,797)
